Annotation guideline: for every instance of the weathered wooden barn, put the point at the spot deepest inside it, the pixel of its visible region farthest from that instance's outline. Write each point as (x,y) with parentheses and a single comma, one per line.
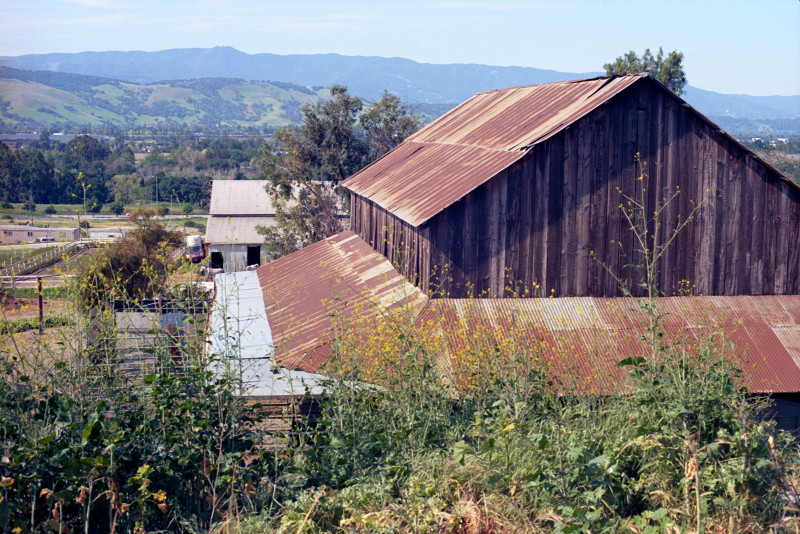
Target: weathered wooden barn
(514,189)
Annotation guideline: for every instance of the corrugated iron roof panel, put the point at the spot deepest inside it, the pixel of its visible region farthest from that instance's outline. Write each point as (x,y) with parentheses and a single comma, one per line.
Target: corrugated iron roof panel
(415,181)
(515,118)
(341,276)
(241,340)
(583,339)
(240,197)
(473,142)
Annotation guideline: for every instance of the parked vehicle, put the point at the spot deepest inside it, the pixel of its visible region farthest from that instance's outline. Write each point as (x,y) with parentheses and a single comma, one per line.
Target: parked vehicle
(195,248)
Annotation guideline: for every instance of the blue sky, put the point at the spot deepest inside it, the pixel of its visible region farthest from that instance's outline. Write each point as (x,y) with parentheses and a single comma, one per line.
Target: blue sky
(730,46)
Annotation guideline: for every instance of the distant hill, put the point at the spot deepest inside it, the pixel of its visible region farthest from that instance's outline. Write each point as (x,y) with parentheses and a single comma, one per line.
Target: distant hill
(434,88)
(364,76)
(36,98)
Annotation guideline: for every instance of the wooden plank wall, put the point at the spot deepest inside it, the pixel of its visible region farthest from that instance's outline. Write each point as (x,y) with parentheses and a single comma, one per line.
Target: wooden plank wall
(406,247)
(531,230)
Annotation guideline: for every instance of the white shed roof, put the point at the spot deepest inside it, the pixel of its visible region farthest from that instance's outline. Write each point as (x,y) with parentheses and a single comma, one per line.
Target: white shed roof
(240,197)
(241,339)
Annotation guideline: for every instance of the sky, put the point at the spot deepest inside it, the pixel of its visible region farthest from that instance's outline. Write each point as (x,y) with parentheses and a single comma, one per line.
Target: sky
(730,46)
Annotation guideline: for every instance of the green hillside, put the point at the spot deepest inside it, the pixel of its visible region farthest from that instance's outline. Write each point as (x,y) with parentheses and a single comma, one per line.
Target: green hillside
(49,99)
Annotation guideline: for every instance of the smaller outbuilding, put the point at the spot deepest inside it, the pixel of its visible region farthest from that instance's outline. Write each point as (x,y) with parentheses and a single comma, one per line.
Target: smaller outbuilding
(238,208)
(11,234)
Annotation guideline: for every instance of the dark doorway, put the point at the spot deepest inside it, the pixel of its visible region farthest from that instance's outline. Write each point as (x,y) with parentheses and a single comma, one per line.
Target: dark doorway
(254,255)
(216,260)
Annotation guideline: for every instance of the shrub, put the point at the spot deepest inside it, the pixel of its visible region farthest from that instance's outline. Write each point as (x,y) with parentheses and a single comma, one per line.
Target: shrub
(132,267)
(95,206)
(117,208)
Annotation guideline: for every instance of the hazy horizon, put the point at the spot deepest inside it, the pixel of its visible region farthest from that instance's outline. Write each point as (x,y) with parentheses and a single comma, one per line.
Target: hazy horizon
(732,47)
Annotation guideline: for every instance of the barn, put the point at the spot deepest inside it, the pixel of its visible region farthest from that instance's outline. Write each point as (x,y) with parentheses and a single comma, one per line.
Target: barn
(521,192)
(516,190)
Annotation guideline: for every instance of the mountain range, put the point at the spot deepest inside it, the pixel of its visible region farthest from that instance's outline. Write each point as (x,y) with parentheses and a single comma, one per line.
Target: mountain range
(434,86)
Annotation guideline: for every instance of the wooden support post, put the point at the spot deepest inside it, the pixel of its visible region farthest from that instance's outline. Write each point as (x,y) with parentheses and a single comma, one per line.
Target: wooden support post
(41,312)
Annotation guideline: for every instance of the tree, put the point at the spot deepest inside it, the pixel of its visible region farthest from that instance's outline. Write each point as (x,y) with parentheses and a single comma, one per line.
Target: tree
(668,70)
(117,208)
(95,205)
(305,164)
(133,267)
(37,177)
(387,123)
(124,187)
(187,208)
(29,205)
(85,154)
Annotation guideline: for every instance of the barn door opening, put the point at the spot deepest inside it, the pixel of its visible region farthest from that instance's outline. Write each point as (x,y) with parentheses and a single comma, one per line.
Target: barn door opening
(216,260)
(254,255)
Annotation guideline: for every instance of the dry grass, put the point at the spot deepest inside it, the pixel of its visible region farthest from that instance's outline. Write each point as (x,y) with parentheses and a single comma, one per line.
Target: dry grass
(35,353)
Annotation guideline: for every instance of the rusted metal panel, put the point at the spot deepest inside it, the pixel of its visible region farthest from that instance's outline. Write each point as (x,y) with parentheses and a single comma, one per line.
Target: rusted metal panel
(416,181)
(516,118)
(583,339)
(470,144)
(309,293)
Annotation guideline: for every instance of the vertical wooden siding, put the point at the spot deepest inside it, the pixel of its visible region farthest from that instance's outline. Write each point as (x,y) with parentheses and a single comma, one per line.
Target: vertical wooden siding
(405,246)
(531,229)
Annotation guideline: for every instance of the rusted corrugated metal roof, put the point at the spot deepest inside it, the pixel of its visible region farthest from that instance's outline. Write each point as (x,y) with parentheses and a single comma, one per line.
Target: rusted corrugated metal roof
(581,340)
(306,291)
(471,143)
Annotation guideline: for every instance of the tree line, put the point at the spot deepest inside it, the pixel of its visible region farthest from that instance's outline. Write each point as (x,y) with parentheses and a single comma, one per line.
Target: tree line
(180,170)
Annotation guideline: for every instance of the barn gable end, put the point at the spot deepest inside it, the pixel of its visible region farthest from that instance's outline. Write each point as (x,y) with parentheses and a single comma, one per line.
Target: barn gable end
(531,227)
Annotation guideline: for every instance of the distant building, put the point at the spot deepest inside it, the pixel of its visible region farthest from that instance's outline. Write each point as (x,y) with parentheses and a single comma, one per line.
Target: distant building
(32,234)
(237,208)
(109,233)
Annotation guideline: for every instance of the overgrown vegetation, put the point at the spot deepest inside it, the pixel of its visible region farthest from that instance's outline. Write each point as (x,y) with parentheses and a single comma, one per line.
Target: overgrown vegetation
(134,267)
(428,425)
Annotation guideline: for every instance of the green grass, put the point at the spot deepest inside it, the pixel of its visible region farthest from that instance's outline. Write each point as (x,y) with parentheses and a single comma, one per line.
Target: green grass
(50,293)
(23,325)
(194,102)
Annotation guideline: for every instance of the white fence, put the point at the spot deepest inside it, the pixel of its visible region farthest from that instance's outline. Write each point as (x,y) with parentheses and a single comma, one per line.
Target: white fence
(37,261)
